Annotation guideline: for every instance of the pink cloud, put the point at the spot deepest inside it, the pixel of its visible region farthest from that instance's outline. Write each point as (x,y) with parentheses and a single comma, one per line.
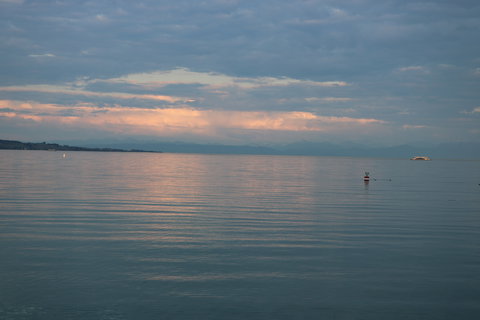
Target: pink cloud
(70,91)
(410,126)
(177,120)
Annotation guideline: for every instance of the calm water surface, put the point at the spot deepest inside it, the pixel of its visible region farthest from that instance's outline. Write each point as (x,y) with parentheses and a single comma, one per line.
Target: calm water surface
(178,236)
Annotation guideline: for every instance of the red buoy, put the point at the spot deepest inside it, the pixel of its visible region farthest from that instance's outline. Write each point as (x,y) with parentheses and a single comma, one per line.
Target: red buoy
(366,178)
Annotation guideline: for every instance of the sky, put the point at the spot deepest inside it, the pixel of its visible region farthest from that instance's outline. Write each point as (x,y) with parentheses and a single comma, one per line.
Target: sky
(238,72)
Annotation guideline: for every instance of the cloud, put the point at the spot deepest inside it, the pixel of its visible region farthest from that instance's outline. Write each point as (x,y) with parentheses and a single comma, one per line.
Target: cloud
(11,1)
(101,18)
(214,80)
(328,99)
(276,56)
(337,12)
(473,111)
(70,90)
(207,90)
(411,126)
(418,69)
(44,55)
(168,121)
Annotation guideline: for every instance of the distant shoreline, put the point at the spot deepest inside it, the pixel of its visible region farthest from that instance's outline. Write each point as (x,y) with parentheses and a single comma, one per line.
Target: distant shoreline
(18,145)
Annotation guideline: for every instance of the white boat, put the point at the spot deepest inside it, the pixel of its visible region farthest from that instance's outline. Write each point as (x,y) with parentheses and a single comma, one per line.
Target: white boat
(420,158)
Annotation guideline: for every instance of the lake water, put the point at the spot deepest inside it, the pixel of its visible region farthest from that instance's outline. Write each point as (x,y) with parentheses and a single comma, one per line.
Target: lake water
(183,236)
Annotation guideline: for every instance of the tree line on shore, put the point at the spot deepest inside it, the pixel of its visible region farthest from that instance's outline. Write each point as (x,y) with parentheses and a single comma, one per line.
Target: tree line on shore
(18,145)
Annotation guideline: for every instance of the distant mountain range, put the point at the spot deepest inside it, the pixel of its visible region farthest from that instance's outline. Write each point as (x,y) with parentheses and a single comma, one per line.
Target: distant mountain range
(305,148)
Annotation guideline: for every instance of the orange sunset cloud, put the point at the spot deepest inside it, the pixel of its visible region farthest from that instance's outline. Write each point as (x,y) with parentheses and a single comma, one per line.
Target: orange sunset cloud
(175,120)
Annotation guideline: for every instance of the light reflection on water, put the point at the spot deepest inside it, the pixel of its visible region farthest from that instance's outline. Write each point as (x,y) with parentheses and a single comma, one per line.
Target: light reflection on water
(177,236)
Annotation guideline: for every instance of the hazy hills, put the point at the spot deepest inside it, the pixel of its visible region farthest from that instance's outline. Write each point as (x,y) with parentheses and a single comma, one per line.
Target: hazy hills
(305,148)
(444,151)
